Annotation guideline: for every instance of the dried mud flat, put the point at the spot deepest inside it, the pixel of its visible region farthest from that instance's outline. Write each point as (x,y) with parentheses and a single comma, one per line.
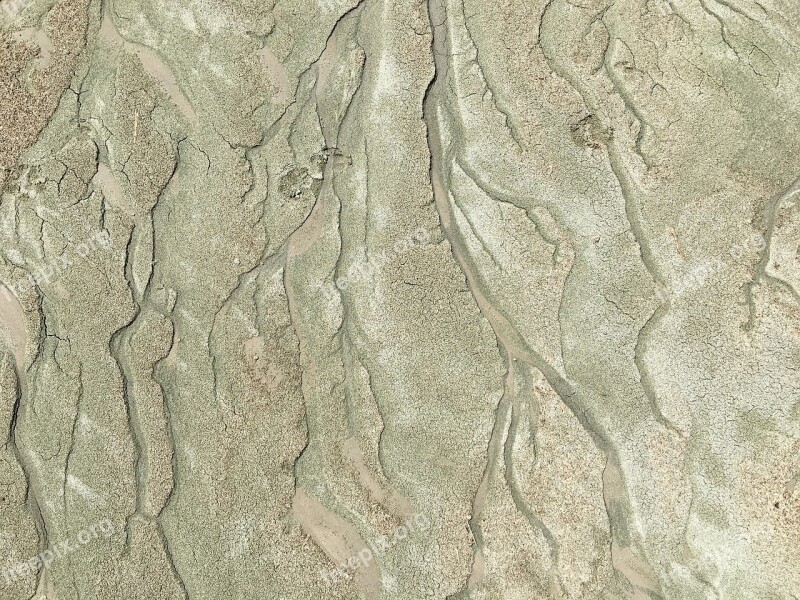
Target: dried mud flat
(394,299)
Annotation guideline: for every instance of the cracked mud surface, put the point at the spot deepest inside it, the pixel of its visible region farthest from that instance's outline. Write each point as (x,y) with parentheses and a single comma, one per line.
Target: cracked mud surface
(393,299)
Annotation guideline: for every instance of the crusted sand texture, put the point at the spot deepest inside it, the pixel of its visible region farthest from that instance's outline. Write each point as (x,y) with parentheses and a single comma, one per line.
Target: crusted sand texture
(393,299)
